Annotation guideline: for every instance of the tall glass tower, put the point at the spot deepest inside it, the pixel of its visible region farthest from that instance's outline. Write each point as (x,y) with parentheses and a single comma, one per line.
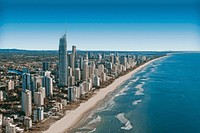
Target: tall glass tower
(63,61)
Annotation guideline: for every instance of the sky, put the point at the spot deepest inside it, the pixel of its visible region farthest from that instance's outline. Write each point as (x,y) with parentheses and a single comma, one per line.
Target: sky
(134,25)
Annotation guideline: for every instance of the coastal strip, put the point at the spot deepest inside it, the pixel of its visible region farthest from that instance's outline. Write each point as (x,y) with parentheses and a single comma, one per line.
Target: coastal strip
(73,117)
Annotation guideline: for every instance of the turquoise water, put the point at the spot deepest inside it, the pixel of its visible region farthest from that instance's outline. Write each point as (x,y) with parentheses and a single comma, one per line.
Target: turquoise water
(164,97)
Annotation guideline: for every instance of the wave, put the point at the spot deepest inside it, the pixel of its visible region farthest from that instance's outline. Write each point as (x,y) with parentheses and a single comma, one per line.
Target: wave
(122,91)
(153,69)
(135,80)
(136,102)
(125,121)
(145,79)
(126,87)
(96,120)
(107,105)
(139,88)
(92,130)
(90,125)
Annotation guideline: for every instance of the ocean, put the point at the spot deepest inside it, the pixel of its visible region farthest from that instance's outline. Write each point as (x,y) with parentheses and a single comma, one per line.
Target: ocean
(163,97)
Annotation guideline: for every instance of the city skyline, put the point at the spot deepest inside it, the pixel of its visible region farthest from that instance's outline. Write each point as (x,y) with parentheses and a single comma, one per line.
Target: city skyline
(139,25)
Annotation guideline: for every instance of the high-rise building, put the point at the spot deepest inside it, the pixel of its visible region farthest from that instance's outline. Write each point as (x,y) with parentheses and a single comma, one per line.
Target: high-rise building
(91,70)
(27,122)
(37,83)
(85,70)
(77,75)
(96,81)
(1,120)
(96,72)
(45,66)
(70,93)
(101,69)
(1,95)
(10,128)
(63,61)
(81,61)
(27,102)
(73,59)
(71,81)
(26,81)
(38,99)
(48,84)
(69,58)
(38,114)
(11,85)
(42,90)
(70,72)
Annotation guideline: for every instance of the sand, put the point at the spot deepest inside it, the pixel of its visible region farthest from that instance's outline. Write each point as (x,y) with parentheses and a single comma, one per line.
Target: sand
(74,116)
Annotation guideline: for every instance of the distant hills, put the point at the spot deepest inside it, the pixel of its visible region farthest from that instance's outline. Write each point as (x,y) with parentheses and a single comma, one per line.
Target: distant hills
(83,51)
(21,50)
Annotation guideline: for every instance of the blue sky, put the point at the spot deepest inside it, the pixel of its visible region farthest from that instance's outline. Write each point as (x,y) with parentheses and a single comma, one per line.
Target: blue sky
(101,25)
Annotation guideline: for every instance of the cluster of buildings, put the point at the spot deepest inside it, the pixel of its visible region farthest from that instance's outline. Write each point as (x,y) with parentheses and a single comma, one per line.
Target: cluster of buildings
(46,91)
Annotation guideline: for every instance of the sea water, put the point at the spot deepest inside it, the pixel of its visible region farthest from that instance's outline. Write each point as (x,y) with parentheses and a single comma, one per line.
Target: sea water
(163,97)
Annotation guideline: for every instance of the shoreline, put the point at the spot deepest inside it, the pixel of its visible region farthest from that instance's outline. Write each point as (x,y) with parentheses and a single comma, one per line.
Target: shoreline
(67,123)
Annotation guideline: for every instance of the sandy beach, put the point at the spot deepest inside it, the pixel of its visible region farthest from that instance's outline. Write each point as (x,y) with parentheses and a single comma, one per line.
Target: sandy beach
(74,116)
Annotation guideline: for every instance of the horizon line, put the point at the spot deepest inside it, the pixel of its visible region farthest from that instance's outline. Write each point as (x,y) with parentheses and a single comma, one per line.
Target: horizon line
(104,50)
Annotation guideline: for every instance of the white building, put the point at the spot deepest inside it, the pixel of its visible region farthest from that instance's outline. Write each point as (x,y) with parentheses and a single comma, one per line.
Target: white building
(82,92)
(96,72)
(47,73)
(85,70)
(38,99)
(101,69)
(11,85)
(37,82)
(78,92)
(96,81)
(91,70)
(71,81)
(77,74)
(10,128)
(1,120)
(1,95)
(103,77)
(27,122)
(42,90)
(7,120)
(27,103)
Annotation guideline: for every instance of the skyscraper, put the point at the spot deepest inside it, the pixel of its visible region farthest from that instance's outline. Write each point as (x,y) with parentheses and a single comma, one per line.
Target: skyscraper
(63,61)
(85,70)
(73,59)
(26,81)
(27,103)
(48,84)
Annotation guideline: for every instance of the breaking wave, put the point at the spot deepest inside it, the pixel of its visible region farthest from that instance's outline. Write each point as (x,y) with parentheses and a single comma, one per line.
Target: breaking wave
(136,102)
(125,121)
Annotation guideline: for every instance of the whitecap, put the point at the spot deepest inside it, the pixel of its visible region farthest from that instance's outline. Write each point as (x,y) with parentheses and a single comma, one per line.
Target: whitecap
(139,88)
(136,102)
(92,130)
(107,106)
(145,79)
(122,91)
(135,80)
(127,126)
(125,121)
(96,120)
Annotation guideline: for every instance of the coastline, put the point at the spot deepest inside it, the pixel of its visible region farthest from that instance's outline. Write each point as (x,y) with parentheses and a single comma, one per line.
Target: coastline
(70,119)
